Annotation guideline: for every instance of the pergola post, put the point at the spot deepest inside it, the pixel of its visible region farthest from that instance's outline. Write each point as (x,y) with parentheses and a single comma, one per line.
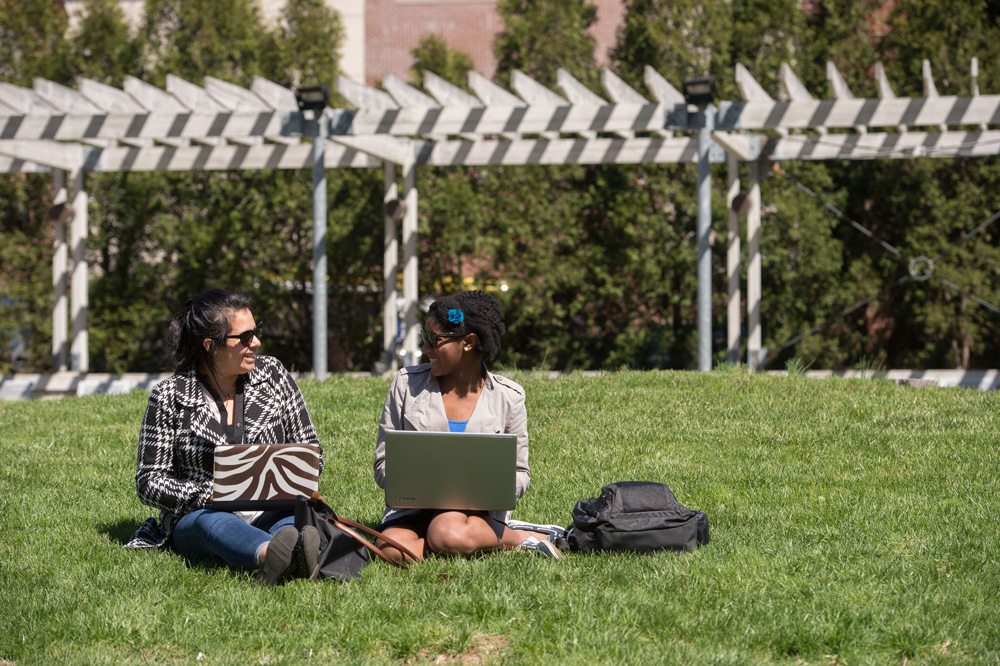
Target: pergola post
(79,355)
(706,125)
(390,271)
(411,292)
(60,276)
(754,360)
(319,250)
(734,303)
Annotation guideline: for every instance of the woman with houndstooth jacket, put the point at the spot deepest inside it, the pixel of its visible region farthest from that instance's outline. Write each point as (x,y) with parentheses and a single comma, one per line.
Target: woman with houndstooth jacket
(222,392)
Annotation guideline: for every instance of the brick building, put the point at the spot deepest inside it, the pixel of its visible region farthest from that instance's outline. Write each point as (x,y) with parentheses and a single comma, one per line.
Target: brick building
(393,28)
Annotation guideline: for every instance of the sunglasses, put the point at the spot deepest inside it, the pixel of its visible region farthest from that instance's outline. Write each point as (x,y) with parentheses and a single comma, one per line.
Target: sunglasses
(246,337)
(434,340)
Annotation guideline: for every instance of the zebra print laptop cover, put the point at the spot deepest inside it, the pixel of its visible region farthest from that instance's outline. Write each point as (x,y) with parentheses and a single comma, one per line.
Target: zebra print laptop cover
(264,476)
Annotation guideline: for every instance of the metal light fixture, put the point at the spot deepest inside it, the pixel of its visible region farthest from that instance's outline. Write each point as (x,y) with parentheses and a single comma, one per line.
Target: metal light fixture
(312,98)
(62,212)
(700,91)
(741,204)
(395,209)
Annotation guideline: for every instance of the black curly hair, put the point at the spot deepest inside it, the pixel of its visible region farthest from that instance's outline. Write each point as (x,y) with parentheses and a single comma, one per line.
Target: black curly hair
(481,314)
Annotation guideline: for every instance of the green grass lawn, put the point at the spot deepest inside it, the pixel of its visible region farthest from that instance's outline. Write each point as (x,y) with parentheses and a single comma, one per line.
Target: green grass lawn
(852,522)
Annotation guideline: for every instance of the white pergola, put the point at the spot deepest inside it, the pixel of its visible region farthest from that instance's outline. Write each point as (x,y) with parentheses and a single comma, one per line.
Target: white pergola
(220,126)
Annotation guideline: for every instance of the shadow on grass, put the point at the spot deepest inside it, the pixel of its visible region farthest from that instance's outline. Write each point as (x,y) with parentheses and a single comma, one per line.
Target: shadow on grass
(120,531)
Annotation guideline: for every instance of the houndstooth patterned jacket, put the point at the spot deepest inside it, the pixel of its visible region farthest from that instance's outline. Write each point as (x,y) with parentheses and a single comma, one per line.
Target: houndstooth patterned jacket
(181,430)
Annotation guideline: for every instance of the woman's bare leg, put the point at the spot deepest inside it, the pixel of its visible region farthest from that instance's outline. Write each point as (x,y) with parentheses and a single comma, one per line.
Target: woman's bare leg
(513,538)
(406,537)
(457,533)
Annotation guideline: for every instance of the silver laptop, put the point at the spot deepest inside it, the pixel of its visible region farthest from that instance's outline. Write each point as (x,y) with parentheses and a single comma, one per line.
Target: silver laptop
(450,470)
(263,476)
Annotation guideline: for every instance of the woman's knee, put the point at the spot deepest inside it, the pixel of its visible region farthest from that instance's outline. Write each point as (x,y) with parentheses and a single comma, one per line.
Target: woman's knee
(446,541)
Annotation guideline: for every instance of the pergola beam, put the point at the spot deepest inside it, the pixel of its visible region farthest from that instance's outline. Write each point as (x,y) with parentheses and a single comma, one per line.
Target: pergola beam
(53,154)
(370,152)
(455,120)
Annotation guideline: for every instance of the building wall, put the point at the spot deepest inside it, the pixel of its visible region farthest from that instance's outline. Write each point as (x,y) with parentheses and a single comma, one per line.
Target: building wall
(394,27)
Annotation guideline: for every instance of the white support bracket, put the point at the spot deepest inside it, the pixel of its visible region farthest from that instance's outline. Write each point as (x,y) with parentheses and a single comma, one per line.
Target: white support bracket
(744,147)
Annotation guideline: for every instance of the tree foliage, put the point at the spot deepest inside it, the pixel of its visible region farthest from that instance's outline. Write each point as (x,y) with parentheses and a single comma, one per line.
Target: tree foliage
(539,36)
(307,45)
(26,256)
(432,54)
(692,36)
(103,49)
(197,38)
(32,42)
(156,238)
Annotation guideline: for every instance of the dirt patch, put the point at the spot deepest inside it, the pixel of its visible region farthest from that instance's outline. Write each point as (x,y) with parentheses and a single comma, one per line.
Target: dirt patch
(484,649)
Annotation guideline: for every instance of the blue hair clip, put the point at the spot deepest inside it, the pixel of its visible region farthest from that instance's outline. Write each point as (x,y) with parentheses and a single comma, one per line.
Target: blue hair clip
(456,316)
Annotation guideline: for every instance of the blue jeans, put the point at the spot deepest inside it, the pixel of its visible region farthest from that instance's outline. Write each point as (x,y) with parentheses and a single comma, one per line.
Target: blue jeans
(226,535)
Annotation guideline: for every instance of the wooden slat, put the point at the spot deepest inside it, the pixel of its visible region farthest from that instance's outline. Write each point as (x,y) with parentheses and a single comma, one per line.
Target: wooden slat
(877,145)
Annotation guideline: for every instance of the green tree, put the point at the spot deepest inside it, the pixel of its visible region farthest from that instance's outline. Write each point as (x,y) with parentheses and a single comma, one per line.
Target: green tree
(949,36)
(765,34)
(539,36)
(31,42)
(31,45)
(688,38)
(846,33)
(650,225)
(307,43)
(102,48)
(195,38)
(432,54)
(162,237)
(921,207)
(26,237)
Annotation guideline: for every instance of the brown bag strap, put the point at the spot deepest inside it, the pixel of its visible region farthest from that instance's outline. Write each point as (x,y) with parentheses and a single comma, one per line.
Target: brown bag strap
(345,525)
(348,526)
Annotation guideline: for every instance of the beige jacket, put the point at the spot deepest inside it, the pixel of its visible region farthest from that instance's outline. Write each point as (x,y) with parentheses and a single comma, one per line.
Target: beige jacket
(414,403)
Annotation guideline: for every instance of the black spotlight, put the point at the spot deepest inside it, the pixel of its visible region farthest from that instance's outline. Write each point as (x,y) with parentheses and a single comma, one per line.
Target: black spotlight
(312,98)
(700,92)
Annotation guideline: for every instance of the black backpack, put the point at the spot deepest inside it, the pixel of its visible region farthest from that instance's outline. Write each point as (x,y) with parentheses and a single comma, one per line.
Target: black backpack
(637,516)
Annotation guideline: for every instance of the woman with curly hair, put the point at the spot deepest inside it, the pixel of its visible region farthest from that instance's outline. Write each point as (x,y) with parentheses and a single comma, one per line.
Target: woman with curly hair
(455,392)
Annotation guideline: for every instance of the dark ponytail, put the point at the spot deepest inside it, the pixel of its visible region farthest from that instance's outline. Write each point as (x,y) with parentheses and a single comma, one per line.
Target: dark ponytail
(205,315)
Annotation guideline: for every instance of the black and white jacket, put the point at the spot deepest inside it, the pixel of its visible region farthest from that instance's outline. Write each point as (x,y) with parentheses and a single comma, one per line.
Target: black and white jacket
(181,430)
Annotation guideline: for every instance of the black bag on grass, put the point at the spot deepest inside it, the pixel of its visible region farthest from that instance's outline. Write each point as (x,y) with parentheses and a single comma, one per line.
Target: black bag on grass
(343,549)
(637,516)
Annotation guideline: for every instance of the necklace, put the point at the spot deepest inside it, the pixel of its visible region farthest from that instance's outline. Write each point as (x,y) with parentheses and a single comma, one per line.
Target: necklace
(216,389)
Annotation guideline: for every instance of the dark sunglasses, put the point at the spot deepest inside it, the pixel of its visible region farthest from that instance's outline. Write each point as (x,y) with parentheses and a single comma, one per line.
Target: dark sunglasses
(434,340)
(246,337)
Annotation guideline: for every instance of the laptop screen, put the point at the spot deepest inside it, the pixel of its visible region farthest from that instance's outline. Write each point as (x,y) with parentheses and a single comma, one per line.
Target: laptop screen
(446,470)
